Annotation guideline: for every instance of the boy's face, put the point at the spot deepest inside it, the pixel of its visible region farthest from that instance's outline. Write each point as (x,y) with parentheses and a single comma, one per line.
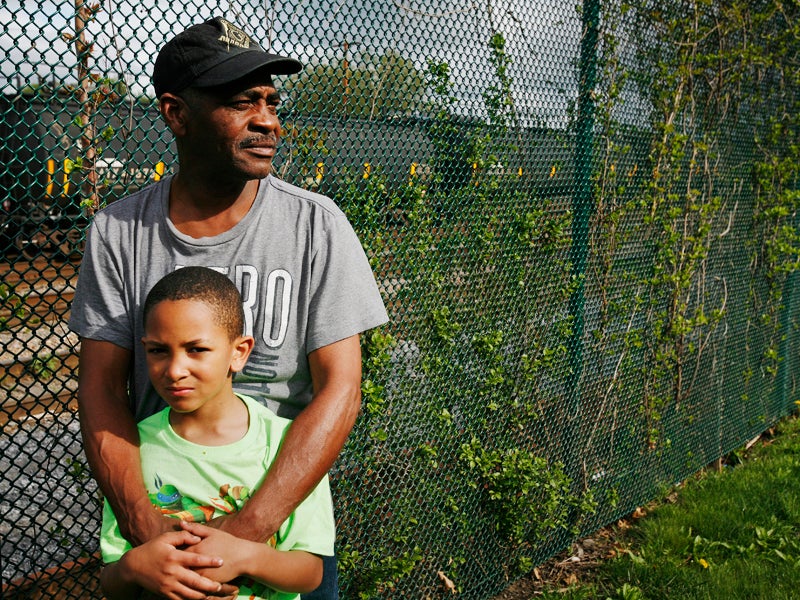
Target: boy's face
(190,356)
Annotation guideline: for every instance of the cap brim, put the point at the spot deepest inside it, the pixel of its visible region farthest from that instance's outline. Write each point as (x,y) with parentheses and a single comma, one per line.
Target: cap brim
(243,64)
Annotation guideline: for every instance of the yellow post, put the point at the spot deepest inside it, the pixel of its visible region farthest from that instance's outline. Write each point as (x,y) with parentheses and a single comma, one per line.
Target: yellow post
(412,173)
(158,172)
(51,170)
(67,170)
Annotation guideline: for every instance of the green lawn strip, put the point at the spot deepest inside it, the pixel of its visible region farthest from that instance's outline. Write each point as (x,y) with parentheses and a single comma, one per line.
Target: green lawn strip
(729,535)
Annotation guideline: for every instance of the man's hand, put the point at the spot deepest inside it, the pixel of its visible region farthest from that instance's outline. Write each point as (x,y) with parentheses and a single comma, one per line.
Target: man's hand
(147,524)
(166,567)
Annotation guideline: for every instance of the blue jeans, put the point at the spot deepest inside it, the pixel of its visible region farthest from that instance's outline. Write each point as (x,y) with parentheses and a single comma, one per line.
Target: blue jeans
(329,588)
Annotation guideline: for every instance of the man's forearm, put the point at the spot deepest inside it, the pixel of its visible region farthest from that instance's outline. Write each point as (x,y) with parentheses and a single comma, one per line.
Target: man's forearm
(111,446)
(307,453)
(311,445)
(111,440)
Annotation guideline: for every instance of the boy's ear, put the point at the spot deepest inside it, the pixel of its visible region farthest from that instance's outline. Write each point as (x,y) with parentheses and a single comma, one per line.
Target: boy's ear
(242,348)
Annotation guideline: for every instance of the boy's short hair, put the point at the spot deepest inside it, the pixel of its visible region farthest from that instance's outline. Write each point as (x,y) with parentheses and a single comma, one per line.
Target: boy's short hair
(204,285)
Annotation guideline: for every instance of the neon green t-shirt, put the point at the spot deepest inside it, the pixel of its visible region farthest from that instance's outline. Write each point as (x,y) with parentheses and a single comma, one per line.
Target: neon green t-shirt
(197,483)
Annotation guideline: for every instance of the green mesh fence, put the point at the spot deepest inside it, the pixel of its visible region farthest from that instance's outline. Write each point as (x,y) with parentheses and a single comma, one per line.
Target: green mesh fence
(582,217)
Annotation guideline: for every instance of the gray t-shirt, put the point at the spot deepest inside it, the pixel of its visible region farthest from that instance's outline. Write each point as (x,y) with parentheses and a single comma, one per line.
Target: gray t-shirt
(304,278)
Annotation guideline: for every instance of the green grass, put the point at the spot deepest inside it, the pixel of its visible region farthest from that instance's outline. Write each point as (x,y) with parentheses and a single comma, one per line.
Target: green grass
(729,535)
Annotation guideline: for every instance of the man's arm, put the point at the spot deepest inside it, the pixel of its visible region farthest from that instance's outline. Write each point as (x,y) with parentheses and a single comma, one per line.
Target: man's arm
(311,444)
(111,440)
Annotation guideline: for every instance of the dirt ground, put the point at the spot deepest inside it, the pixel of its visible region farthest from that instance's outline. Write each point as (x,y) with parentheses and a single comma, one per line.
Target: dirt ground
(572,566)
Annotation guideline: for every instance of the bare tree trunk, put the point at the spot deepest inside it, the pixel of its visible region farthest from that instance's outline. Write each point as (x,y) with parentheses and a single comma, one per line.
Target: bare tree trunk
(88,105)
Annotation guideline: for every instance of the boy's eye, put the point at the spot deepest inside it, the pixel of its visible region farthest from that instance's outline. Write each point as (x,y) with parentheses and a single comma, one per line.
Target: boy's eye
(155,350)
(197,350)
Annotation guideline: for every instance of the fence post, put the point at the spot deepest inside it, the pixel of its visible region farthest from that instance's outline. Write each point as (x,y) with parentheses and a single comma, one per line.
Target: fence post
(582,206)
(789,341)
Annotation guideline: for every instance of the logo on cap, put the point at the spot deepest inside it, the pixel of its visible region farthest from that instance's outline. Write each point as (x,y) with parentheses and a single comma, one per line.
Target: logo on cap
(233,36)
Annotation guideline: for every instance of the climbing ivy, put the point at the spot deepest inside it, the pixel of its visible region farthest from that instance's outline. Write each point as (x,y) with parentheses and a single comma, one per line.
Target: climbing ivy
(465,398)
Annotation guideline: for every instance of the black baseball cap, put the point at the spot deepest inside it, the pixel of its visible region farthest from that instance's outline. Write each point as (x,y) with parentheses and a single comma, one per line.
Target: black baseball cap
(214,53)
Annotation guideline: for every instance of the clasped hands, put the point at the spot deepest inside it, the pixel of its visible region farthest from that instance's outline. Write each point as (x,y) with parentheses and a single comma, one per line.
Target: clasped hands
(187,561)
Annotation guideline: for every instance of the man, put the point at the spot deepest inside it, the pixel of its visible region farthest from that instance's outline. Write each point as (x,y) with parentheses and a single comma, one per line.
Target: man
(307,289)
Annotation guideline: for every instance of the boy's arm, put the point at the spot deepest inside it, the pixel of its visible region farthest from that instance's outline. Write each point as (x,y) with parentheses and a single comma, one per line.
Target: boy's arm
(111,440)
(161,567)
(294,571)
(311,445)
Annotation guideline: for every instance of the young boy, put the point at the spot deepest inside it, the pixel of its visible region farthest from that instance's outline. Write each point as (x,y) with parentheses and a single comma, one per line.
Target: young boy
(205,452)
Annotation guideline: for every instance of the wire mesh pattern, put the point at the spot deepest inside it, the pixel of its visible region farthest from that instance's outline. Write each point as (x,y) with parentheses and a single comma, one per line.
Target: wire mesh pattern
(582,218)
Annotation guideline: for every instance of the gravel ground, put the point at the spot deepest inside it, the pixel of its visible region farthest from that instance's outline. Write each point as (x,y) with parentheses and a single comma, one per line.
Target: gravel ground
(49,507)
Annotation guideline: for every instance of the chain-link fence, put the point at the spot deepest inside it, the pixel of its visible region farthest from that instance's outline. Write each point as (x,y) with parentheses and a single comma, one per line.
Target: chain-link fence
(582,218)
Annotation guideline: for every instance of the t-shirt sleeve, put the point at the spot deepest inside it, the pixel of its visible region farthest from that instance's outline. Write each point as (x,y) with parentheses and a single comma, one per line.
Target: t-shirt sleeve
(345,299)
(311,526)
(98,309)
(112,544)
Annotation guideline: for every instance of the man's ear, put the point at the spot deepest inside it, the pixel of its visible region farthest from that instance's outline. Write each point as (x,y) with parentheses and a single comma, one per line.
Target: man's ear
(174,110)
(242,348)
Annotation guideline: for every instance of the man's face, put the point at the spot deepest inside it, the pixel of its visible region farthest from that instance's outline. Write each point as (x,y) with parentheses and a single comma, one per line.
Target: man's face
(233,130)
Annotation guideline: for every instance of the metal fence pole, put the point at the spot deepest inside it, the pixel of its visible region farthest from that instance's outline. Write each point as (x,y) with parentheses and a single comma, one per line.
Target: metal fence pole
(582,205)
(789,340)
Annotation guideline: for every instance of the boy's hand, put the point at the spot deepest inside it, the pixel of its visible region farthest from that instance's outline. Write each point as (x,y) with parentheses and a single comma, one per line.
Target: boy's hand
(218,543)
(292,571)
(165,567)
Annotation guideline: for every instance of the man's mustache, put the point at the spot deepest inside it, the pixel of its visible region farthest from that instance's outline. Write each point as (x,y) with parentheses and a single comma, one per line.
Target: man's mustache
(258,141)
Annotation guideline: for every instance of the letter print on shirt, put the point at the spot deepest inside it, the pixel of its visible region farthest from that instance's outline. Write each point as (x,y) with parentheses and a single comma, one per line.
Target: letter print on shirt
(276,304)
